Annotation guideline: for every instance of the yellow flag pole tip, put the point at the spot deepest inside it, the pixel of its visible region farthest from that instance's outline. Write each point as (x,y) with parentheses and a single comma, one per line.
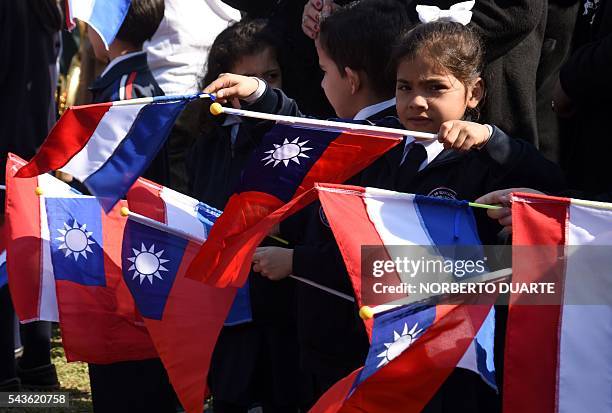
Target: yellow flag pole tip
(366,312)
(216,109)
(38,191)
(125,211)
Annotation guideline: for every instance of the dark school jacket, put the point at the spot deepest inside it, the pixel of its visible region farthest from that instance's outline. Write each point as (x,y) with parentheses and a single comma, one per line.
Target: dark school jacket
(135,78)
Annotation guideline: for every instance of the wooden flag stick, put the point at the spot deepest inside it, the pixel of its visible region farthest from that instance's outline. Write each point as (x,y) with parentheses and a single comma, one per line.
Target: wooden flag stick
(163,227)
(217,109)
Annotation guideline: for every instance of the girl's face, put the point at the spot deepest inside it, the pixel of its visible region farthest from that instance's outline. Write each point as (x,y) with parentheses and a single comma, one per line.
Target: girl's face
(263,65)
(428,96)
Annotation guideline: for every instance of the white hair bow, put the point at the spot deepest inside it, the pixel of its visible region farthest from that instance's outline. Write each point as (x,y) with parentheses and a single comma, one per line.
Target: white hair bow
(458,13)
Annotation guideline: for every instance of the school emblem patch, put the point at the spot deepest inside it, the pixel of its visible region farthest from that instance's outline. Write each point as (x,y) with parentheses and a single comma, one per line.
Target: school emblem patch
(442,192)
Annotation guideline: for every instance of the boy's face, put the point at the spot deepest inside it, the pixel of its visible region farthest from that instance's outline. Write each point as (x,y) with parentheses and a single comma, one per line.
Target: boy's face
(97,45)
(428,96)
(337,88)
(263,65)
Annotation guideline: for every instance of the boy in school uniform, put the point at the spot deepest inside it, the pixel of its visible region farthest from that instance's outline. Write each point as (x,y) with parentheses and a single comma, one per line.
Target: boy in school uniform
(360,87)
(143,385)
(127,75)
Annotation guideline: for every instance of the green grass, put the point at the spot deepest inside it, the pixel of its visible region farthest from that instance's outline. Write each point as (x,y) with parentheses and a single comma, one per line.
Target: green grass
(73,378)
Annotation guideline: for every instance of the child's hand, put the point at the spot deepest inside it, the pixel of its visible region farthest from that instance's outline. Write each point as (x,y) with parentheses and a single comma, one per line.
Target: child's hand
(462,135)
(502,198)
(274,263)
(229,87)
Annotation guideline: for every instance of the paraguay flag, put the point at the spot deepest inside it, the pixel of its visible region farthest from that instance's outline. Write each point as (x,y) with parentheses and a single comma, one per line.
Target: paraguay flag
(284,167)
(103,16)
(107,146)
(183,316)
(413,348)
(563,343)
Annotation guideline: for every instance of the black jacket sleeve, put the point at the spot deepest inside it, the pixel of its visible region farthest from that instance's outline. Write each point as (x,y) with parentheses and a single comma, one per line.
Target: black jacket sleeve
(276,102)
(516,162)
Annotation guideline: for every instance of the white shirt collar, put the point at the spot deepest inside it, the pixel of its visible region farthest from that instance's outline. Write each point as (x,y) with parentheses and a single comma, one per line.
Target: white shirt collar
(119,59)
(374,109)
(432,147)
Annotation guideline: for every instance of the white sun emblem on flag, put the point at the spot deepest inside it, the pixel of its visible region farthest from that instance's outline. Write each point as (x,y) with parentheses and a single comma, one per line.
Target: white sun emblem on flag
(147,263)
(75,240)
(288,151)
(400,343)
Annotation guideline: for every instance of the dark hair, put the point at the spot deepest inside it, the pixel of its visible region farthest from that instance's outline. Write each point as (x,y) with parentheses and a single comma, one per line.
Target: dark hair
(451,46)
(361,35)
(244,38)
(141,22)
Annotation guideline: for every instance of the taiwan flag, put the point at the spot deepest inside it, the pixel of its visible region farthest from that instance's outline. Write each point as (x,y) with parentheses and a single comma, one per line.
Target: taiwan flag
(284,167)
(183,316)
(98,318)
(413,350)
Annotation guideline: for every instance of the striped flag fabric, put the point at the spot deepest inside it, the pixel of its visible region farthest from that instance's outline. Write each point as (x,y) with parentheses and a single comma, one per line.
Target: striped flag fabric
(429,334)
(558,356)
(104,16)
(107,146)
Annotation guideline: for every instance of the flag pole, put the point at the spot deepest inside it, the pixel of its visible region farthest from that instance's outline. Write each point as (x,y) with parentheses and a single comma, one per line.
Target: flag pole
(125,212)
(217,109)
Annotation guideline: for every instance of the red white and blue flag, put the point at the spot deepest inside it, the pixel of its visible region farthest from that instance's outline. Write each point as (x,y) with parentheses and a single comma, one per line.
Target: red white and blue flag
(284,167)
(103,16)
(98,318)
(183,316)
(558,356)
(107,146)
(413,348)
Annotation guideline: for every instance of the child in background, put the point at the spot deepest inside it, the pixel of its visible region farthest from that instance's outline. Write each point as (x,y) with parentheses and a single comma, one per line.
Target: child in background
(134,386)
(255,361)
